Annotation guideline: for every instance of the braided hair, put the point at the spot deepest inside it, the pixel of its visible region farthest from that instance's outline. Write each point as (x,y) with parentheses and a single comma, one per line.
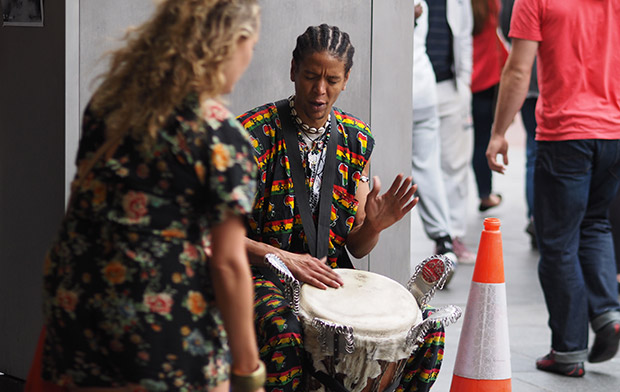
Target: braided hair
(324,38)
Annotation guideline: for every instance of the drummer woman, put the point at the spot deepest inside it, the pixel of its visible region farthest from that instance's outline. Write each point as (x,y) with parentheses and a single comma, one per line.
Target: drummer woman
(334,148)
(131,301)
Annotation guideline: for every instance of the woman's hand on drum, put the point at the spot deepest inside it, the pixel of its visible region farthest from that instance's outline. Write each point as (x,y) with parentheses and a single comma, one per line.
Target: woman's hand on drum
(385,210)
(311,270)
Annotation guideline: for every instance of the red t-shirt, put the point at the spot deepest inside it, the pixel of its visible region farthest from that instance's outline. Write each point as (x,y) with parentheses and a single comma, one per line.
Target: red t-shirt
(489,53)
(578,65)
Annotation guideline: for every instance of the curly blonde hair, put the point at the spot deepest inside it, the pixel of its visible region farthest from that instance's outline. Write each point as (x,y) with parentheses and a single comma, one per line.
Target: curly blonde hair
(180,50)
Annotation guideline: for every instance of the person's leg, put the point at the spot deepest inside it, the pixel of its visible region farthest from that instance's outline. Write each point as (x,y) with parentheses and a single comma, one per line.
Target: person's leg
(482,114)
(614,219)
(562,180)
(456,151)
(456,138)
(528,115)
(423,366)
(426,172)
(596,252)
(279,335)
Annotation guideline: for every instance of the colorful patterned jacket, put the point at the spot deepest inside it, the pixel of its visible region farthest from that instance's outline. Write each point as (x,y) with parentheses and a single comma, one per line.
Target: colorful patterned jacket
(275,219)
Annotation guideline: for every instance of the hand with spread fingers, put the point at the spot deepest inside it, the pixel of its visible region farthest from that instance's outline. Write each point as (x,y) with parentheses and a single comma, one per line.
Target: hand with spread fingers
(376,212)
(385,210)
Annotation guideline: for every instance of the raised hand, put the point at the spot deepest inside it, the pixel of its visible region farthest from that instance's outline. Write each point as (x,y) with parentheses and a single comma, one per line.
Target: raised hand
(385,210)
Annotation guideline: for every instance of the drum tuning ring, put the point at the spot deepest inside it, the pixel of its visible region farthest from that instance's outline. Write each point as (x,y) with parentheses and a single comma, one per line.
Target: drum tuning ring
(324,329)
(444,316)
(429,275)
(415,336)
(292,286)
(347,332)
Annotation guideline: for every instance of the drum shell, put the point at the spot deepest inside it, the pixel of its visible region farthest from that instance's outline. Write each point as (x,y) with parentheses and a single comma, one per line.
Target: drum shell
(371,348)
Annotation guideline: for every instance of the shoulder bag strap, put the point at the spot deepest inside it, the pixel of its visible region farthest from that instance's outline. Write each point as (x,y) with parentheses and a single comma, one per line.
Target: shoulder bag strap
(317,240)
(327,189)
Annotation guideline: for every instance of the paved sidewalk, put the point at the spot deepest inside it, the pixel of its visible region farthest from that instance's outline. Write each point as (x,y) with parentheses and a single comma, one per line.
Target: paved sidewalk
(527,314)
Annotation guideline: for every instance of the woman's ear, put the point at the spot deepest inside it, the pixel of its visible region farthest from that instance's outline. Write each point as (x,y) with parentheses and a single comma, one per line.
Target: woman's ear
(346,79)
(293,70)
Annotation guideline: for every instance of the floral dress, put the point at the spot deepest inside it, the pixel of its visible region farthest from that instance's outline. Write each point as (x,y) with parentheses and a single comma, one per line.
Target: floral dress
(127,292)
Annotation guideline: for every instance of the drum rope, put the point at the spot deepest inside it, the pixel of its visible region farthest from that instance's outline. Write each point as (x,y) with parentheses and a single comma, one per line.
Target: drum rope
(429,292)
(292,287)
(445,315)
(325,327)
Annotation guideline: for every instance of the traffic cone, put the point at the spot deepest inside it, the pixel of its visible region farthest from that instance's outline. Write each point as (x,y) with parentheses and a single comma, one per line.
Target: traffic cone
(483,357)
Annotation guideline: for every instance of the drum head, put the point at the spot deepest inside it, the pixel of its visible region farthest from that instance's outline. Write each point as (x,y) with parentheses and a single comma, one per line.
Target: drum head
(372,304)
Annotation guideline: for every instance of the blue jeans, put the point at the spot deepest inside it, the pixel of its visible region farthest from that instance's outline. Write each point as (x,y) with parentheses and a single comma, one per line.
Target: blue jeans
(483,112)
(529,123)
(575,182)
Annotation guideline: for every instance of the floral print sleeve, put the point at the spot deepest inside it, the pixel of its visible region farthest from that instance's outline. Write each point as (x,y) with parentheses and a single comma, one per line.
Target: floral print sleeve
(229,161)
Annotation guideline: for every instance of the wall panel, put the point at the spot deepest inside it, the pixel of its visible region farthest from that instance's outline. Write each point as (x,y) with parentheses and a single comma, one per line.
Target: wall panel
(379,89)
(31,176)
(391,114)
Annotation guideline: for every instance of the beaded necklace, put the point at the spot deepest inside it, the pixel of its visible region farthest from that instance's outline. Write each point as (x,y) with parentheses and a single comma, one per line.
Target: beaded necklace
(307,129)
(313,149)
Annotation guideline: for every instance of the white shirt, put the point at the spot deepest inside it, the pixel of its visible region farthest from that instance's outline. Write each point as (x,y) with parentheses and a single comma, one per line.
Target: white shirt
(424,84)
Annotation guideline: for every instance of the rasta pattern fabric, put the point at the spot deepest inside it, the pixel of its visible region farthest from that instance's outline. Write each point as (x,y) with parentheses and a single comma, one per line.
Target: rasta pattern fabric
(128,296)
(279,335)
(423,366)
(275,220)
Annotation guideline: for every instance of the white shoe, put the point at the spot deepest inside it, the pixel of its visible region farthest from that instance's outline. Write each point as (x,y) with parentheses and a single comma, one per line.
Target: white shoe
(464,255)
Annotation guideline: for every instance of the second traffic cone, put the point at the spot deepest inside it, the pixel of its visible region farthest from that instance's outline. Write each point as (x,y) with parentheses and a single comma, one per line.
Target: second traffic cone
(483,357)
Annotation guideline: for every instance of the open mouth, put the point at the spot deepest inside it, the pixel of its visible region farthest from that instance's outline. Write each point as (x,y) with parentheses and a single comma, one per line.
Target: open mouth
(317,105)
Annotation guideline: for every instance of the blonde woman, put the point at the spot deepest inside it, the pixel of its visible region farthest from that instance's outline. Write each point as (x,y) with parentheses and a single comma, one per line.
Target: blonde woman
(131,301)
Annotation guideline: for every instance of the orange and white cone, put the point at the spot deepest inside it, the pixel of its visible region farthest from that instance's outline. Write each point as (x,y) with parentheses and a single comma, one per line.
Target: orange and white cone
(483,357)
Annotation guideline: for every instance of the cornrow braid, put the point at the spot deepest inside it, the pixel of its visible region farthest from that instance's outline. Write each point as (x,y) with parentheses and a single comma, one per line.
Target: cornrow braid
(325,38)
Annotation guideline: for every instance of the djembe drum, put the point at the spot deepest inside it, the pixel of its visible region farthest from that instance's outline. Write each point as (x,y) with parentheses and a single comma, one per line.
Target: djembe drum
(361,334)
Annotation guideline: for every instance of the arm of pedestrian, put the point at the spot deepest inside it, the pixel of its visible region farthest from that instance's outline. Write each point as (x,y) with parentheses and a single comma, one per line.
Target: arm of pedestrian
(513,89)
